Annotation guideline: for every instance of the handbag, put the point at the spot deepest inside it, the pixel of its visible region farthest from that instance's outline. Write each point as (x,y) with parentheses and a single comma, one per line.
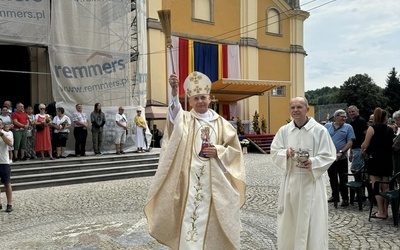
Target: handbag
(39,127)
(63,135)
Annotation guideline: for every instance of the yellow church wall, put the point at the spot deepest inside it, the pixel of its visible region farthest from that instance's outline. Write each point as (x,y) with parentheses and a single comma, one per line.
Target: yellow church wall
(279,111)
(274,65)
(281,40)
(224,26)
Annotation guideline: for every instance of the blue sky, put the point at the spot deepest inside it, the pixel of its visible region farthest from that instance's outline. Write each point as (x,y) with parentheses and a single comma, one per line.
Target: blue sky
(349,37)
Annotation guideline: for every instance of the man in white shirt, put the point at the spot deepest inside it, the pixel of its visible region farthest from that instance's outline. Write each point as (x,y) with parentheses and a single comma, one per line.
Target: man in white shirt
(6,140)
(80,131)
(120,130)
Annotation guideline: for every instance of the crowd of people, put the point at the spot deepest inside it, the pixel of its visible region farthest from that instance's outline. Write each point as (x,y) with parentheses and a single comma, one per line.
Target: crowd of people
(25,135)
(44,136)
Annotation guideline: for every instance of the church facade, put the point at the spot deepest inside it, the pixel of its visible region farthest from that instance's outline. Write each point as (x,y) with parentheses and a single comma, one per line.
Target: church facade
(269,38)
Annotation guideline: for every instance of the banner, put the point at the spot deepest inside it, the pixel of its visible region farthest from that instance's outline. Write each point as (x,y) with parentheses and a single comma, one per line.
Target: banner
(89,52)
(140,66)
(217,61)
(24,22)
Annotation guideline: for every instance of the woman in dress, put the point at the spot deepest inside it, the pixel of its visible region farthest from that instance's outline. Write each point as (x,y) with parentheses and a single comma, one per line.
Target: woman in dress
(30,139)
(140,127)
(378,145)
(43,140)
(61,124)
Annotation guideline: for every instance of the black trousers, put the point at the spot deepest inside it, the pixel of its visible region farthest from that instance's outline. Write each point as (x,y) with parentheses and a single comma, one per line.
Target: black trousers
(80,135)
(335,173)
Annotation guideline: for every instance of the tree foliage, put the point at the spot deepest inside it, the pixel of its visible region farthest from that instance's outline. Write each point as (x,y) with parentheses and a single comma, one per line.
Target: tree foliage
(360,90)
(325,95)
(392,91)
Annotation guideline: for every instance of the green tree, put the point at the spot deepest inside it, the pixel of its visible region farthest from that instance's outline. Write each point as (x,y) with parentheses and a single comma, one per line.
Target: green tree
(361,90)
(392,91)
(325,95)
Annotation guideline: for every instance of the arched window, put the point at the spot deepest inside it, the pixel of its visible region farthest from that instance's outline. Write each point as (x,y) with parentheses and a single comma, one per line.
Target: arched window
(203,10)
(273,18)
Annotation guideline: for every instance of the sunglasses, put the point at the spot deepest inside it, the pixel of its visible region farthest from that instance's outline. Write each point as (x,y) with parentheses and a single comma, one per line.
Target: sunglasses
(42,108)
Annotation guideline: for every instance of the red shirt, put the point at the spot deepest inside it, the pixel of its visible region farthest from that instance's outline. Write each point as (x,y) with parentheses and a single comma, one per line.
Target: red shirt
(21,117)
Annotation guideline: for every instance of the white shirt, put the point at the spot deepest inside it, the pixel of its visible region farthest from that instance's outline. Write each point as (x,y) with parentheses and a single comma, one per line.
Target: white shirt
(4,157)
(122,120)
(57,121)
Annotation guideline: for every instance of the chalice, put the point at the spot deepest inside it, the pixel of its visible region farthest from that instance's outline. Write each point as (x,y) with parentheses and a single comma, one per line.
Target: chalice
(300,156)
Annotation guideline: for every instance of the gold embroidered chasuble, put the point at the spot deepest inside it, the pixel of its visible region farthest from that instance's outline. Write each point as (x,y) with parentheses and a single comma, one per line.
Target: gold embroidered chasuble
(194,202)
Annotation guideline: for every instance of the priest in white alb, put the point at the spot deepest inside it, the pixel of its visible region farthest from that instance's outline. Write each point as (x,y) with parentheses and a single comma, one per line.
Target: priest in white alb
(195,199)
(302,203)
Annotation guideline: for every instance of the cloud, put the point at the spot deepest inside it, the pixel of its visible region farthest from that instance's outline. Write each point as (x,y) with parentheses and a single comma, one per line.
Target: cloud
(358,37)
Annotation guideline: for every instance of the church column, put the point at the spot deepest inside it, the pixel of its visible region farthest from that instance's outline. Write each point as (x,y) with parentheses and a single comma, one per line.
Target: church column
(157,67)
(248,54)
(297,52)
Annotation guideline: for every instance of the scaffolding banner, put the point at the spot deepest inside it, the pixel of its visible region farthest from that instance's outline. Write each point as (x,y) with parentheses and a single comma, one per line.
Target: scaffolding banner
(141,63)
(24,22)
(89,52)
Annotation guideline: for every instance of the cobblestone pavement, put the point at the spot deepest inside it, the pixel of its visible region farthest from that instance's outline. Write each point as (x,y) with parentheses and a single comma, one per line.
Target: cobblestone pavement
(108,215)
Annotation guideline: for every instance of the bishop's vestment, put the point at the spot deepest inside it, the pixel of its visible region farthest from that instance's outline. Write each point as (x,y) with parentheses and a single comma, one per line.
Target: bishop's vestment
(194,202)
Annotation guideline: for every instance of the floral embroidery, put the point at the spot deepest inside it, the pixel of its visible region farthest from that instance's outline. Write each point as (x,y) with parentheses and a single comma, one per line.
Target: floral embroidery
(192,234)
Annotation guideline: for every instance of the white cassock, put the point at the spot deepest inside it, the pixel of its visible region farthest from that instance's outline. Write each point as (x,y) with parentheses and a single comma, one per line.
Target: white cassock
(302,203)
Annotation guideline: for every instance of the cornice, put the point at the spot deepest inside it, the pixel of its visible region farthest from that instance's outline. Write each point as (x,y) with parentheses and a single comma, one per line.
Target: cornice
(297,49)
(248,41)
(153,23)
(301,14)
(204,38)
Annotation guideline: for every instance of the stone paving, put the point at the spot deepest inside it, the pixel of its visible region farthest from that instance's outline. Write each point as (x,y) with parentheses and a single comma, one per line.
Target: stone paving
(109,215)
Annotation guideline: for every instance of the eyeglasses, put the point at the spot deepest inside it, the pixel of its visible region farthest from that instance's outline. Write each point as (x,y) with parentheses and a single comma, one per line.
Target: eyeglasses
(139,111)
(342,116)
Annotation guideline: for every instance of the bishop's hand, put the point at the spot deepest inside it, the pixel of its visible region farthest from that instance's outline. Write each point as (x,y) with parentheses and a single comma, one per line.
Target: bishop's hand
(174,83)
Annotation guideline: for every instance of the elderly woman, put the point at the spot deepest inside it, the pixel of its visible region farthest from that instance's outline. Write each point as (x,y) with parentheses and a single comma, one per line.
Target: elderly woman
(30,140)
(42,123)
(378,144)
(396,145)
(140,130)
(61,124)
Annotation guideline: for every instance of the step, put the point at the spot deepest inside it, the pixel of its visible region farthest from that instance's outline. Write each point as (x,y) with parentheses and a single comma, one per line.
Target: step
(80,180)
(75,170)
(85,159)
(26,169)
(81,173)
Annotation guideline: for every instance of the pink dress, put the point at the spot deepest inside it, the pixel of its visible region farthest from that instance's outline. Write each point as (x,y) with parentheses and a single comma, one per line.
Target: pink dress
(43,141)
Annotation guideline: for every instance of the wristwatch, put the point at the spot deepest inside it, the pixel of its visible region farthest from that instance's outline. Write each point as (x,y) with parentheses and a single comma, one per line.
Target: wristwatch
(341,151)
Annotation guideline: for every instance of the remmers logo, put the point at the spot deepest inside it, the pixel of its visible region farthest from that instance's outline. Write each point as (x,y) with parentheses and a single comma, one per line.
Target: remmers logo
(90,70)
